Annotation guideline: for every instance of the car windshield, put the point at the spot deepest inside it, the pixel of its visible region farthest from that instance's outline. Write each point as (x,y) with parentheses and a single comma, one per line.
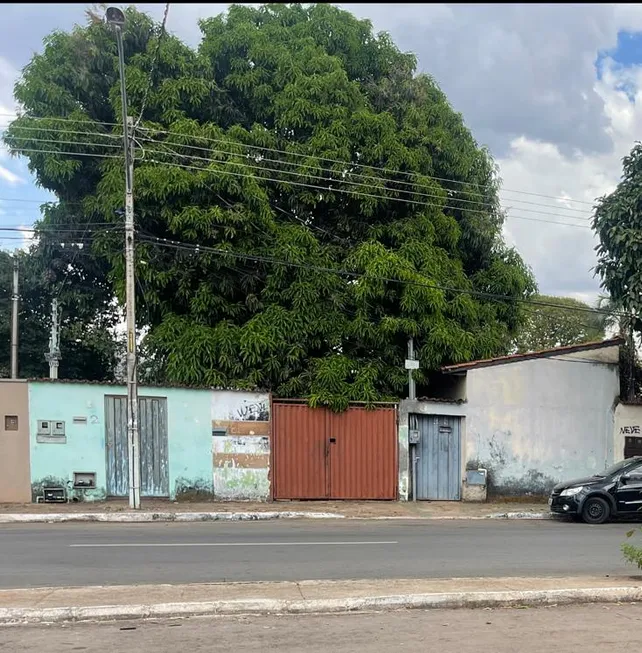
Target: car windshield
(614,469)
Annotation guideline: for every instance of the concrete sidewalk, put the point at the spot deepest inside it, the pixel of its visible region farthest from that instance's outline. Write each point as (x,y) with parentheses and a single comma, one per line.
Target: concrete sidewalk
(144,601)
(163,510)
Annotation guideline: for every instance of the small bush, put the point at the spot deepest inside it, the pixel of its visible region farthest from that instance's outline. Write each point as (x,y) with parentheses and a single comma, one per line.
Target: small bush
(632,553)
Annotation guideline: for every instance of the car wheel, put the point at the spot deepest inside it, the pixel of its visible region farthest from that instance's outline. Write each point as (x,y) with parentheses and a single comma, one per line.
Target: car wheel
(595,511)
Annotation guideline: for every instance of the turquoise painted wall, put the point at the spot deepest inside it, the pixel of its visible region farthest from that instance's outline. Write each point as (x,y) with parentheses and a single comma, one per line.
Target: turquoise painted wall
(189,435)
(190,440)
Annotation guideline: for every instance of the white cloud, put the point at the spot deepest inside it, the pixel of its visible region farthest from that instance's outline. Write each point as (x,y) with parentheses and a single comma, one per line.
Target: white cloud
(27,237)
(10,177)
(563,256)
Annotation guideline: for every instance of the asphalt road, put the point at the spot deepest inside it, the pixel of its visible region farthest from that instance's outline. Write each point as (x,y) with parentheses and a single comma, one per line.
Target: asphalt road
(589,629)
(120,554)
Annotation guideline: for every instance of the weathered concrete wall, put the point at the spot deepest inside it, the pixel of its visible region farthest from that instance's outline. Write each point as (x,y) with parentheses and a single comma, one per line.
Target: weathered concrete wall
(189,441)
(189,436)
(533,423)
(628,421)
(241,445)
(83,450)
(14,442)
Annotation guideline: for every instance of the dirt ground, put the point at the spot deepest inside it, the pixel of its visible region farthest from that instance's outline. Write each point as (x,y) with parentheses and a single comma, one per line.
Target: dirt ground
(425,509)
(589,629)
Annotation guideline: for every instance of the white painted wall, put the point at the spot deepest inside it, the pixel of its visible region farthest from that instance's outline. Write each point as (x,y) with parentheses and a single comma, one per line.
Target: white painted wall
(628,421)
(534,423)
(240,406)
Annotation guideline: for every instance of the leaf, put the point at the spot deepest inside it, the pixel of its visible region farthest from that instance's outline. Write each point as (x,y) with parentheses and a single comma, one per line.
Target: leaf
(298,159)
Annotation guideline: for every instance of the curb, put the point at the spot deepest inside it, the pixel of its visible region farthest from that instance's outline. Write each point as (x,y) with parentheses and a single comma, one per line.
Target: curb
(13,616)
(522,515)
(148,517)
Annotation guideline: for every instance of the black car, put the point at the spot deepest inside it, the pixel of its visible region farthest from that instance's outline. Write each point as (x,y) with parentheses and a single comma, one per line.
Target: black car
(595,499)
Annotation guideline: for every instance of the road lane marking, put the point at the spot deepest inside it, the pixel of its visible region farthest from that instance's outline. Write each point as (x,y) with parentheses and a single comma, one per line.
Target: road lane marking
(236,544)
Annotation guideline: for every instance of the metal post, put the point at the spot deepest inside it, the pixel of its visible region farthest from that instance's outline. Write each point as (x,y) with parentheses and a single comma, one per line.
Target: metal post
(133,436)
(411,382)
(15,299)
(631,362)
(53,355)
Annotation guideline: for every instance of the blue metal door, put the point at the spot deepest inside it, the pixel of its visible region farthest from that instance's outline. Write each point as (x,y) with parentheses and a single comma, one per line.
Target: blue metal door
(439,453)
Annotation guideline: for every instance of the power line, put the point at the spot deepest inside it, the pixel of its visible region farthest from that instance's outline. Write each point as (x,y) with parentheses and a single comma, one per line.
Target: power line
(58,142)
(340,190)
(100,156)
(369,179)
(58,130)
(165,242)
(352,183)
(297,154)
(63,229)
(351,164)
(19,199)
(79,121)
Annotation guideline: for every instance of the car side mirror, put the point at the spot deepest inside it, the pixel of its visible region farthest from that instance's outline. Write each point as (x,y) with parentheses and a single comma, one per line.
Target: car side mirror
(624,478)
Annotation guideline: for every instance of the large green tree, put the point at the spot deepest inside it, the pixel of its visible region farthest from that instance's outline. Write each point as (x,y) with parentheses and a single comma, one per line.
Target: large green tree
(331,201)
(558,321)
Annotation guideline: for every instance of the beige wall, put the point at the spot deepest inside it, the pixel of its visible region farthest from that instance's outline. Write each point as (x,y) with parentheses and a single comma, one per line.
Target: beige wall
(15,481)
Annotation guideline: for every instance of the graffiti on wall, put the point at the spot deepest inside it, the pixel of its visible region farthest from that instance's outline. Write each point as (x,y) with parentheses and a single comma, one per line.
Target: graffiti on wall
(251,411)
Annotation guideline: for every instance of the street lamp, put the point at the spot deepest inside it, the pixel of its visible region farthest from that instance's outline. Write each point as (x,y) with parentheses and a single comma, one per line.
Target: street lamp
(115,17)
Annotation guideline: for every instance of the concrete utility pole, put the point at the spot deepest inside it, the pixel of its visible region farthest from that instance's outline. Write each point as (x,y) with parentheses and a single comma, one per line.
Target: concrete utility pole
(15,299)
(631,346)
(116,18)
(412,364)
(53,355)
(412,394)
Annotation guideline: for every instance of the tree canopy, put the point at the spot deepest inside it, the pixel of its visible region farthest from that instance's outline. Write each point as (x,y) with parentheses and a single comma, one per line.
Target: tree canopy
(88,348)
(618,223)
(558,321)
(305,201)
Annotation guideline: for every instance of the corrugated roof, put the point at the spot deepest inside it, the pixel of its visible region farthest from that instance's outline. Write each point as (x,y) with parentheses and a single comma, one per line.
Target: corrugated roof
(543,353)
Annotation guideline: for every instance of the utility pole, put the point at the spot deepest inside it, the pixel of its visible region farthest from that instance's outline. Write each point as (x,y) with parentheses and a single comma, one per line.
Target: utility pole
(53,355)
(631,359)
(412,394)
(15,299)
(412,364)
(116,18)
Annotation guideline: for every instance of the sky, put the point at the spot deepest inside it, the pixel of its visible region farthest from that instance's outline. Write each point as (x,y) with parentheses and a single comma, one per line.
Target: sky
(553,90)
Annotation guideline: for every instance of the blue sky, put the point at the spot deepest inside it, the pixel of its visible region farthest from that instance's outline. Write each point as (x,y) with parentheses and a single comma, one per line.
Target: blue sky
(555,91)
(628,50)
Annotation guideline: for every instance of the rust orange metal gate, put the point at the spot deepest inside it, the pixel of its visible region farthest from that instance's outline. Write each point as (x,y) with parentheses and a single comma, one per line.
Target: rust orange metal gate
(317,454)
